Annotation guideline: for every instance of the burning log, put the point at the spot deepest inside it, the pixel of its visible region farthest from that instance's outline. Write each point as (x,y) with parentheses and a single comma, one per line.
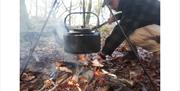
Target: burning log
(73,83)
(83,59)
(28,77)
(65,69)
(91,76)
(47,83)
(60,81)
(62,67)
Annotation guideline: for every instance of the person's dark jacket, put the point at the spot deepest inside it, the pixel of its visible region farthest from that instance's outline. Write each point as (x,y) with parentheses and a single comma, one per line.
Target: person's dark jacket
(135,14)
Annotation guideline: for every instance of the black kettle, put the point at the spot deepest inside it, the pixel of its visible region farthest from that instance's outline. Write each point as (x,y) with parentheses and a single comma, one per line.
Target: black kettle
(81,40)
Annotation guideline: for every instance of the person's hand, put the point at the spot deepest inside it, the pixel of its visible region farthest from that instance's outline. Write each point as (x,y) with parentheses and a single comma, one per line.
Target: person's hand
(101,56)
(111,20)
(98,61)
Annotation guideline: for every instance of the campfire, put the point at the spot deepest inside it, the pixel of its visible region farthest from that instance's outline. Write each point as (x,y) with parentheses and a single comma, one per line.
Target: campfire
(88,73)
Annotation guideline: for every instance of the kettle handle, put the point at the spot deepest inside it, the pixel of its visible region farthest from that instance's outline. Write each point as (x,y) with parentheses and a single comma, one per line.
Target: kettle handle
(79,13)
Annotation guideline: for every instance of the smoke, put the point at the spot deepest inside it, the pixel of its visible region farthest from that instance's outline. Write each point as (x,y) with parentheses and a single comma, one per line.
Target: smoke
(60,28)
(49,49)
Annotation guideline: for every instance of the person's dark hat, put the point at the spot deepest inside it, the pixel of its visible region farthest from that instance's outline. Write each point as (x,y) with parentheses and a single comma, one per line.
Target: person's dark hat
(106,2)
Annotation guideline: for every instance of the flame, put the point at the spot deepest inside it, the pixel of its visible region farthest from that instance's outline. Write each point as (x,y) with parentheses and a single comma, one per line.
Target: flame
(82,57)
(73,83)
(70,83)
(79,89)
(59,64)
(48,83)
(83,79)
(98,73)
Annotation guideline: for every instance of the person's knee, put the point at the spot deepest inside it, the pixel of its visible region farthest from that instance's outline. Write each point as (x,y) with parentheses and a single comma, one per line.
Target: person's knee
(144,37)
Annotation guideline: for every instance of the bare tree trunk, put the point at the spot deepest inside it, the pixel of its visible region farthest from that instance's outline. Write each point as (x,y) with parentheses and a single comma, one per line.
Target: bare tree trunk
(89,10)
(99,7)
(45,10)
(24,18)
(36,7)
(70,12)
(30,8)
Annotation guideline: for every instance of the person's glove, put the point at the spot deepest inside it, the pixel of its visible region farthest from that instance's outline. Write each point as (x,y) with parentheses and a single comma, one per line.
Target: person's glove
(101,56)
(98,61)
(111,20)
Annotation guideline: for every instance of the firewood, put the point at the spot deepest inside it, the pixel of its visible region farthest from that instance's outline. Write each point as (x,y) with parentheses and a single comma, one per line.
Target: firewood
(65,69)
(96,63)
(110,74)
(47,83)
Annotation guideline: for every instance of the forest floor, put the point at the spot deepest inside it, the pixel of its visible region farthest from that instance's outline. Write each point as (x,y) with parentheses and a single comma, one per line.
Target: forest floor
(123,75)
